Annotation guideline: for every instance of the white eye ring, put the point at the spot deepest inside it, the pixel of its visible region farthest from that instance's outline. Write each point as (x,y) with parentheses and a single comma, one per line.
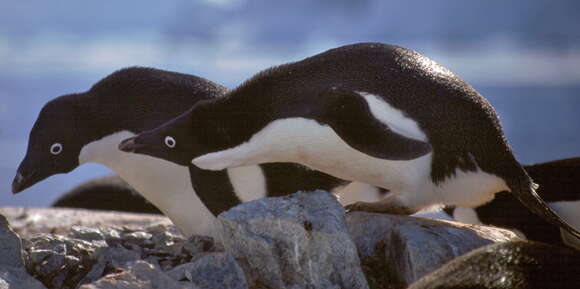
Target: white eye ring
(170,142)
(56,148)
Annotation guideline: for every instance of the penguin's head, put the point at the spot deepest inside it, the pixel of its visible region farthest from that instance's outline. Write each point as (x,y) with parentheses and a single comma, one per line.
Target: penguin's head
(54,144)
(172,142)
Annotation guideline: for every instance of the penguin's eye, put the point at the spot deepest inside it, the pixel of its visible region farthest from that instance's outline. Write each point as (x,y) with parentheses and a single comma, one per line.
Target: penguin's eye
(56,148)
(169,141)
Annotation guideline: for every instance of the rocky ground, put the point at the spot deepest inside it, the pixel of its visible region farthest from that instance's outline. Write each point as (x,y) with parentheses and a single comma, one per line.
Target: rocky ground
(301,241)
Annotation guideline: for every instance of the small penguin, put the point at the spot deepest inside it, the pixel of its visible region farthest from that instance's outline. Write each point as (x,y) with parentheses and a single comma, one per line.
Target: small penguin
(75,129)
(108,193)
(508,265)
(373,113)
(559,186)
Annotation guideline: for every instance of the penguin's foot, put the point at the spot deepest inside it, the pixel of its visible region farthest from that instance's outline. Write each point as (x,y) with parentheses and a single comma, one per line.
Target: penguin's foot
(388,205)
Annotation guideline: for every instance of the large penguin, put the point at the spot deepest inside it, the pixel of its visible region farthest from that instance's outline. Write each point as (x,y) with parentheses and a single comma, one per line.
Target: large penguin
(370,112)
(87,127)
(559,186)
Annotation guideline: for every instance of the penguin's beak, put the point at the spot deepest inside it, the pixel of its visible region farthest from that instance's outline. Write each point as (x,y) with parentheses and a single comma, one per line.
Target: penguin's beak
(23,181)
(130,145)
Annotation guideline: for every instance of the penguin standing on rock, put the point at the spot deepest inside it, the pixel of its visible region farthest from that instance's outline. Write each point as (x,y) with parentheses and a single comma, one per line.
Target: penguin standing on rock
(87,127)
(559,186)
(370,112)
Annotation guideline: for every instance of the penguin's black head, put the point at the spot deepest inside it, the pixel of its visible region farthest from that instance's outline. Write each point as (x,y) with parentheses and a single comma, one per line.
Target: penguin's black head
(54,144)
(171,141)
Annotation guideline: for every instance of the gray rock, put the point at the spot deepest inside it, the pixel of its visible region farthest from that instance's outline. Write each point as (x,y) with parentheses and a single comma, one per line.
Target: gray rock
(398,250)
(513,265)
(198,244)
(10,246)
(116,257)
(297,241)
(87,234)
(140,275)
(112,236)
(212,270)
(139,238)
(13,274)
(59,261)
(29,221)
(62,244)
(17,278)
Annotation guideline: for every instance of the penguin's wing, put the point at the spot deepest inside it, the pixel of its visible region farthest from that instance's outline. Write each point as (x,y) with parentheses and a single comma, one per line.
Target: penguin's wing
(349,115)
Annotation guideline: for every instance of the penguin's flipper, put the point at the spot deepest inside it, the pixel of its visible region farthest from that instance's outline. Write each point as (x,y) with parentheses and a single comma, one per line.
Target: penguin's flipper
(349,115)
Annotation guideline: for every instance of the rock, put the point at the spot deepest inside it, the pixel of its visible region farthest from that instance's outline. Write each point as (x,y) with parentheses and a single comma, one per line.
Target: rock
(197,244)
(87,234)
(140,275)
(514,265)
(398,250)
(297,241)
(212,270)
(142,239)
(17,278)
(13,273)
(28,221)
(59,261)
(116,257)
(10,246)
(65,261)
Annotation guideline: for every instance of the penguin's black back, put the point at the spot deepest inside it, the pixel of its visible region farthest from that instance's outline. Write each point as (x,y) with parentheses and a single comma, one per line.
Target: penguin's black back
(461,126)
(140,98)
(509,265)
(109,193)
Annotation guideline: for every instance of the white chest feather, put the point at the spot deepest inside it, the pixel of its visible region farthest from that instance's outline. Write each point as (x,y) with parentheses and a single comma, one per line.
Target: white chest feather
(165,184)
(317,146)
(168,185)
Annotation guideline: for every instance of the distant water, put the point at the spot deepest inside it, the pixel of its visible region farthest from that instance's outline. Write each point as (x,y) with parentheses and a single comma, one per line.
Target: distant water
(541,122)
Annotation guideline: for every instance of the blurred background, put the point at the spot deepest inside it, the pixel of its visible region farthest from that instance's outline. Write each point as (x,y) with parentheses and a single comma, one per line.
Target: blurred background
(524,56)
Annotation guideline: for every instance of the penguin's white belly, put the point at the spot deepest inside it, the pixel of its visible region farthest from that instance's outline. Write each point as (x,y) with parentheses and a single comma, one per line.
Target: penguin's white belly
(356,192)
(164,184)
(317,146)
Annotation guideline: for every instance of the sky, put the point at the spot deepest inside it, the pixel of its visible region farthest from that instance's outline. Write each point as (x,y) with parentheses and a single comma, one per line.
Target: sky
(524,56)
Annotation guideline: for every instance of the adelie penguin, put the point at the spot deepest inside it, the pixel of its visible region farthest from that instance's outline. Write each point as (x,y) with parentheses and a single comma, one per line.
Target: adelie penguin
(559,186)
(79,128)
(370,112)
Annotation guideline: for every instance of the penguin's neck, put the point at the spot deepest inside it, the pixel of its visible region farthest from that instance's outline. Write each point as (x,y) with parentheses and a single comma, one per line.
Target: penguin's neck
(165,184)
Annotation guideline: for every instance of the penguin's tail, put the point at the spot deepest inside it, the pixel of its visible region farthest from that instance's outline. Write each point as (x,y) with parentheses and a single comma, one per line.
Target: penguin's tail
(524,189)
